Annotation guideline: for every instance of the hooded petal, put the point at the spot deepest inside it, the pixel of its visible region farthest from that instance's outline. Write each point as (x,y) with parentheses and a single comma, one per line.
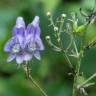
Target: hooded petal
(37,31)
(29,34)
(19,28)
(37,55)
(20,40)
(30,29)
(39,43)
(35,21)
(19,59)
(18,31)
(20,22)
(9,43)
(33,28)
(11,57)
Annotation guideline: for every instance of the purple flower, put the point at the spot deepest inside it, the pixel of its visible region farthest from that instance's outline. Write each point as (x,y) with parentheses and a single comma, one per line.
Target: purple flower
(15,45)
(33,41)
(25,42)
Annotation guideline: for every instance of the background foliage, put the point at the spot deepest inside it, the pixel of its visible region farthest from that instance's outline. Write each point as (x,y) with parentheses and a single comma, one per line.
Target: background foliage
(52,71)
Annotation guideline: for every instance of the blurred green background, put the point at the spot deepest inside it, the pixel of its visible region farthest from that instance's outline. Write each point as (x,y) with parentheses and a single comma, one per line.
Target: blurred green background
(51,72)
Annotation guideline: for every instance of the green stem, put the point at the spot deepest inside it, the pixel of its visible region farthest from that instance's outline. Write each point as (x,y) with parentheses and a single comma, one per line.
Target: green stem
(35,83)
(74,93)
(75,78)
(28,74)
(71,41)
(75,48)
(51,21)
(68,60)
(60,42)
(79,57)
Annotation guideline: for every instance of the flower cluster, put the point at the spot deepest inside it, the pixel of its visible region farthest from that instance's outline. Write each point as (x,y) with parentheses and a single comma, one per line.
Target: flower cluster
(25,41)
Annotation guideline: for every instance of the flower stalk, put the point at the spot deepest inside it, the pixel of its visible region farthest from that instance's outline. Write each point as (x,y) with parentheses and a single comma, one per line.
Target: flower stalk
(76,70)
(27,71)
(25,44)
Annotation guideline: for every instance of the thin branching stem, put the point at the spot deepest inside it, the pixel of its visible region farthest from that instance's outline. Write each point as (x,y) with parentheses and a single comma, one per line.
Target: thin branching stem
(68,60)
(60,42)
(77,72)
(35,83)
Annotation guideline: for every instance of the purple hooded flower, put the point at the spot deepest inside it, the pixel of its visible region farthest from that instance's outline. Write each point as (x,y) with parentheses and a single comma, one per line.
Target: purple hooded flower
(15,45)
(25,42)
(33,41)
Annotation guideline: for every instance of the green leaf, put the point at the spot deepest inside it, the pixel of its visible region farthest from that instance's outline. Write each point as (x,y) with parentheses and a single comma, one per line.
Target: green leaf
(80,80)
(81,28)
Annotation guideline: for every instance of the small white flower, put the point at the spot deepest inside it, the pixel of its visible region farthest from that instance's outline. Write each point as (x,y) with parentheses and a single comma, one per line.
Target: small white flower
(47,37)
(48,14)
(63,15)
(55,28)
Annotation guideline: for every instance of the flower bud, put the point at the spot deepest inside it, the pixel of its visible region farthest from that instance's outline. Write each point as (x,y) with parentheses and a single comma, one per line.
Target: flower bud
(63,15)
(48,14)
(47,37)
(55,28)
